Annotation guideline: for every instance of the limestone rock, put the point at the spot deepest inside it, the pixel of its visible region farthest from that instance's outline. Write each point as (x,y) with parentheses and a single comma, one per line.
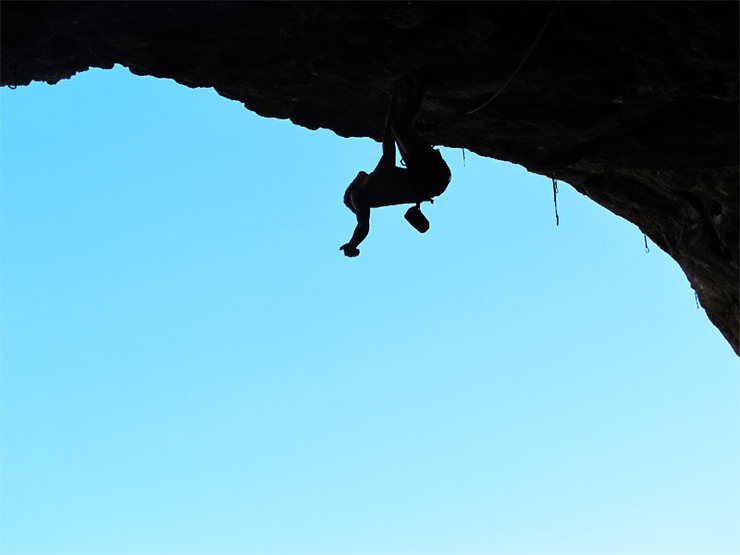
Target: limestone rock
(635,104)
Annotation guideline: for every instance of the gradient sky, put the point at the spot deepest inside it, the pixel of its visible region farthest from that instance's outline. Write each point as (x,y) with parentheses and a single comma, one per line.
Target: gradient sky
(191,366)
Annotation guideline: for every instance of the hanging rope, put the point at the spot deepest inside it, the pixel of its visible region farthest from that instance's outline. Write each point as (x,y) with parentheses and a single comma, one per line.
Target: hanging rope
(647,249)
(531,48)
(555,199)
(463,153)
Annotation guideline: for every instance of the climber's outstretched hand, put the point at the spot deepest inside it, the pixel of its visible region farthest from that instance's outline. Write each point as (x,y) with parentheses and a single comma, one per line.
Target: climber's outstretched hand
(349,250)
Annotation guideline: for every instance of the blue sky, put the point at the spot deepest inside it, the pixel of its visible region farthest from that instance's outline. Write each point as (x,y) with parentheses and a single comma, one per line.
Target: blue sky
(191,366)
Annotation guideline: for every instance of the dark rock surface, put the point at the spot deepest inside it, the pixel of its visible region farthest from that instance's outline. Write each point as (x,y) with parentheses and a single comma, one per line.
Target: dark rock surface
(634,104)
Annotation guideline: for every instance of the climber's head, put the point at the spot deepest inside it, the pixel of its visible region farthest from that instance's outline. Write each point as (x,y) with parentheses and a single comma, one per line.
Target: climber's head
(356,182)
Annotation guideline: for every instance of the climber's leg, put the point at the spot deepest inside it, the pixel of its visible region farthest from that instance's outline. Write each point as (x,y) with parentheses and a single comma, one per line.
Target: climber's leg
(408,140)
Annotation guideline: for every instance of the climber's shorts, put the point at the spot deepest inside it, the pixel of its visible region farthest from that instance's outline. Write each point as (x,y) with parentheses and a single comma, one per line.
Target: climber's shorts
(429,173)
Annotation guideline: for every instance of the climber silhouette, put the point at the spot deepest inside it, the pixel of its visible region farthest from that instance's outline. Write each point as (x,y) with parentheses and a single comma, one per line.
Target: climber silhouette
(426,174)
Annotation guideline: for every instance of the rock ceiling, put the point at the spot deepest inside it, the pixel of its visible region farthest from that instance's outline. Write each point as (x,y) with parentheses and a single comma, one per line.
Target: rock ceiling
(635,104)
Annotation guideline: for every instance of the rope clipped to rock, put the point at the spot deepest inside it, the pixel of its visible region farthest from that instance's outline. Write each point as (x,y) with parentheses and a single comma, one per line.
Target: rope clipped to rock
(14,74)
(555,199)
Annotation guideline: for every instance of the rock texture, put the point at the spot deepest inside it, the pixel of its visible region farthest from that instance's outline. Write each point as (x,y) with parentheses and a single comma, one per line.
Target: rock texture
(634,104)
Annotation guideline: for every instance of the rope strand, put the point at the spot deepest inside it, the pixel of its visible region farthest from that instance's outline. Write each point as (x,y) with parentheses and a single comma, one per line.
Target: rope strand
(531,49)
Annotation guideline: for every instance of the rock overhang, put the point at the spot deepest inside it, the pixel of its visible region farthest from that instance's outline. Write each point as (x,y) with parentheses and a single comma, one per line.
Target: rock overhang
(633,104)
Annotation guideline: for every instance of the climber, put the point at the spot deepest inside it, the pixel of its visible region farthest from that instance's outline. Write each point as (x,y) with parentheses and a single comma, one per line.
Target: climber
(426,174)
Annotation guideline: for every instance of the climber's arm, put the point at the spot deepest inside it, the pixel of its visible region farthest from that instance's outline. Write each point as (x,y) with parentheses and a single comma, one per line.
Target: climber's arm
(389,142)
(389,149)
(361,230)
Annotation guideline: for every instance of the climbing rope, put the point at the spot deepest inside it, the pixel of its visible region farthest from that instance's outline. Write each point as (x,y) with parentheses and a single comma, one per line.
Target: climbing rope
(647,249)
(555,199)
(463,153)
(531,49)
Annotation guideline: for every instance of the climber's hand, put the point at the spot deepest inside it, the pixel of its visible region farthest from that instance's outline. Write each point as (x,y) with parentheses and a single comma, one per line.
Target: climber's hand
(349,250)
